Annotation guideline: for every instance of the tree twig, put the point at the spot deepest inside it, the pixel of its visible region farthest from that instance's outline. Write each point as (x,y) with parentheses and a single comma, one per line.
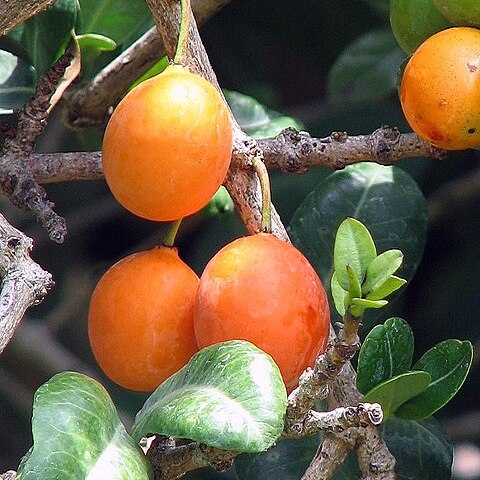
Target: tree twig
(14,12)
(24,284)
(170,461)
(341,418)
(16,180)
(294,152)
(10,475)
(64,167)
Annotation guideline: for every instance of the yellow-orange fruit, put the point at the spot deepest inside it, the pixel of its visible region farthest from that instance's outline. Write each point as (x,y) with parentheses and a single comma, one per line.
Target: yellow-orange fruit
(262,289)
(440,89)
(167,146)
(140,322)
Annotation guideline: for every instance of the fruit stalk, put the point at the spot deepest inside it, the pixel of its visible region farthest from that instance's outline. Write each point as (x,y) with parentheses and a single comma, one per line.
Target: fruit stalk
(180,54)
(169,239)
(262,174)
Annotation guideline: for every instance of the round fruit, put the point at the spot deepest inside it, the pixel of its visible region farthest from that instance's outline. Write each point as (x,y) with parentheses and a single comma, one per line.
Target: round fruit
(167,146)
(262,289)
(440,89)
(140,322)
(460,12)
(413,21)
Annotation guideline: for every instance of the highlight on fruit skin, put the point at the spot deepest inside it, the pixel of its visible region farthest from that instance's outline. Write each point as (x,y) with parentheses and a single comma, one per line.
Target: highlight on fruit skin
(168,145)
(140,320)
(262,289)
(439,91)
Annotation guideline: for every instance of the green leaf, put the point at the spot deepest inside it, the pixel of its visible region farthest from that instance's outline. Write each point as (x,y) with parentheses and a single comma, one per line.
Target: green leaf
(397,390)
(159,67)
(422,449)
(255,119)
(230,395)
(386,352)
(77,434)
(46,35)
(17,82)
(380,268)
(390,285)
(288,459)
(354,287)
(93,45)
(385,199)
(359,305)
(367,69)
(448,363)
(121,20)
(339,295)
(353,248)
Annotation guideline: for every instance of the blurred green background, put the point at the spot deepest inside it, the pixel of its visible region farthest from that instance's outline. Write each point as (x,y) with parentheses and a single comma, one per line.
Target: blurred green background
(282,54)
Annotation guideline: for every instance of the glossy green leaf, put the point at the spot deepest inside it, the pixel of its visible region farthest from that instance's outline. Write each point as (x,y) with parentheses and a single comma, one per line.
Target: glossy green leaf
(230,395)
(93,45)
(390,285)
(380,268)
(397,390)
(46,35)
(17,82)
(367,69)
(255,119)
(354,287)
(357,306)
(448,364)
(339,295)
(386,352)
(422,449)
(121,20)
(385,199)
(353,248)
(77,434)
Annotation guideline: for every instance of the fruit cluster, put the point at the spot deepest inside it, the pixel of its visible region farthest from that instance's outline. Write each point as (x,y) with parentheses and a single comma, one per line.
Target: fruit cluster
(440,86)
(166,151)
(150,313)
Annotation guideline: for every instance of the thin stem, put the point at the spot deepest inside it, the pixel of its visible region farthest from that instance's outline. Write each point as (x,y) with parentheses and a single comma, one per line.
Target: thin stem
(351,325)
(169,238)
(262,173)
(183,33)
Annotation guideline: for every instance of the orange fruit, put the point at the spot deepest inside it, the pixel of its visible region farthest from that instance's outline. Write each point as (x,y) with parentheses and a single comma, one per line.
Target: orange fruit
(140,321)
(440,89)
(167,146)
(262,289)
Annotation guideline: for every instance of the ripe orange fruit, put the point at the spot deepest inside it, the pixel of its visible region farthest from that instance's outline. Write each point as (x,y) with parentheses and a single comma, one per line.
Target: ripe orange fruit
(262,289)
(167,146)
(440,89)
(140,322)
